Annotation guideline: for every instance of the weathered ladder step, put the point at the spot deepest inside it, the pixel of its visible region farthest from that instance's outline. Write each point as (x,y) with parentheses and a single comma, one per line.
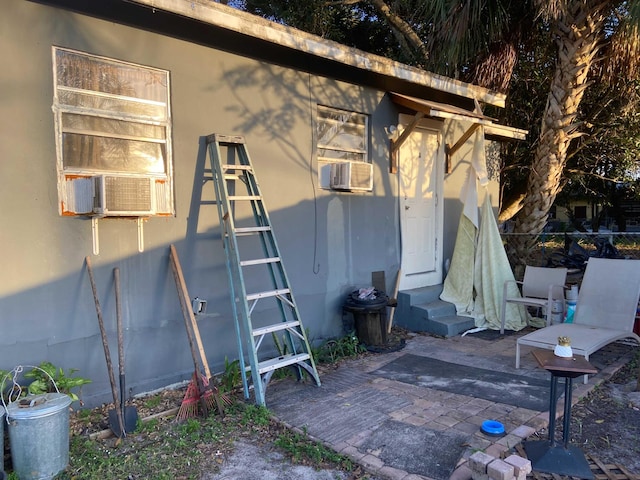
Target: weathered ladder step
(259,261)
(281,361)
(233,166)
(270,293)
(276,327)
(240,198)
(251,230)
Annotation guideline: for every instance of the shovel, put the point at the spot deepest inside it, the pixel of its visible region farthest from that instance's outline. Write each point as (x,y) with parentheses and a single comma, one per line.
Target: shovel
(128,415)
(116,424)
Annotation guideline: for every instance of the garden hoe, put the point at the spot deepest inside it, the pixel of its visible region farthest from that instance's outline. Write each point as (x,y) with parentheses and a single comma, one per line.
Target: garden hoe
(129,414)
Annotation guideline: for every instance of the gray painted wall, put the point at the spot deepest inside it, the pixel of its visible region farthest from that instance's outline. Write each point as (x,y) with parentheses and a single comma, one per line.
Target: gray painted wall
(330,242)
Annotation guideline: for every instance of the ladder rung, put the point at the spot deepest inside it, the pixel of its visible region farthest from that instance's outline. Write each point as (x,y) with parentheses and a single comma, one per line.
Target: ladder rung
(270,293)
(244,197)
(233,176)
(259,261)
(282,361)
(250,230)
(232,166)
(216,137)
(276,327)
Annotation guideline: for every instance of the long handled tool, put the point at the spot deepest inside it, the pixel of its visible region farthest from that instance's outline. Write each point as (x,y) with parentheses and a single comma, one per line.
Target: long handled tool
(128,413)
(117,426)
(199,390)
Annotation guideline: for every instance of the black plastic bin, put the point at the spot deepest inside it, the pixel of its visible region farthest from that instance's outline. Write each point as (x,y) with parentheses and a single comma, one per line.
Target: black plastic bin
(370,317)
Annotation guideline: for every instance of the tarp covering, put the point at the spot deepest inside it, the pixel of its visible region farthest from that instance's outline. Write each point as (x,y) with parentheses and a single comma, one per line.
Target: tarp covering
(492,269)
(458,284)
(479,265)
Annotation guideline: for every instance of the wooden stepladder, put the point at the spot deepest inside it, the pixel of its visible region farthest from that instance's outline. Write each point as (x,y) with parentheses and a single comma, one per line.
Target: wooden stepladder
(256,272)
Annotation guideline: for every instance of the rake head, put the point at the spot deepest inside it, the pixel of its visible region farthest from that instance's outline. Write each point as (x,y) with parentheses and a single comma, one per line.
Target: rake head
(196,403)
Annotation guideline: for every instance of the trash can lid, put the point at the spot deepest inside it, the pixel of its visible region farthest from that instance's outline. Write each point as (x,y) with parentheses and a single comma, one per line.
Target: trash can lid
(33,406)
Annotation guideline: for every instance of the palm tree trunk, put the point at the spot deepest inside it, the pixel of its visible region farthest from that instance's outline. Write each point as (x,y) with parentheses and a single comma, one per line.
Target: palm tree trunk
(577,31)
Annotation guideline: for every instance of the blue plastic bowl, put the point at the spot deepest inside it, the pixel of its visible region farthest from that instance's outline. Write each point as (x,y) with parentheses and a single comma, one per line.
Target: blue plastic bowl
(492,427)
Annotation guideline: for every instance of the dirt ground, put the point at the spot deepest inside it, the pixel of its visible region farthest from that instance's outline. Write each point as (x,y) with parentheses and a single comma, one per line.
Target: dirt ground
(606,424)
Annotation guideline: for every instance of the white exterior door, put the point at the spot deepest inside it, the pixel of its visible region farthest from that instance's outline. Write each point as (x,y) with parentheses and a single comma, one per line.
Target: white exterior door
(421,159)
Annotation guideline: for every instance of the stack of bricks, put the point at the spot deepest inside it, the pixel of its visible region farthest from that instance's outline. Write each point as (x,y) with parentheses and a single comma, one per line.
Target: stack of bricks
(485,467)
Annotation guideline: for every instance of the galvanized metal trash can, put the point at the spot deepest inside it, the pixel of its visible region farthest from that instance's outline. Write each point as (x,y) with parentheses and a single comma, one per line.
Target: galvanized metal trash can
(39,435)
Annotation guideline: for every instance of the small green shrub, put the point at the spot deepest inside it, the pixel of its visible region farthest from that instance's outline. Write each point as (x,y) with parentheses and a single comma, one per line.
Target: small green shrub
(231,378)
(46,377)
(334,350)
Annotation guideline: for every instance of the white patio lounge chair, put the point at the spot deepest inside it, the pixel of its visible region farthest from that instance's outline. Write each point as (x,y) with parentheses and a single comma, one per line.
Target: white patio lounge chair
(605,311)
(540,287)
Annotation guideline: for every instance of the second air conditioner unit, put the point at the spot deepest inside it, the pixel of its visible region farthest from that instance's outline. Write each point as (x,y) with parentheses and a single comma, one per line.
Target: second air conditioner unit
(124,196)
(351,176)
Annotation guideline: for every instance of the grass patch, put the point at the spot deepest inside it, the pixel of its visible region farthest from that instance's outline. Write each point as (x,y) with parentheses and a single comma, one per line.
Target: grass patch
(161,448)
(302,449)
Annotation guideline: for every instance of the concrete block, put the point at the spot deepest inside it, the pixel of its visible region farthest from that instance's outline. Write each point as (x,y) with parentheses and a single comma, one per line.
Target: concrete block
(463,472)
(521,466)
(479,476)
(500,470)
(479,461)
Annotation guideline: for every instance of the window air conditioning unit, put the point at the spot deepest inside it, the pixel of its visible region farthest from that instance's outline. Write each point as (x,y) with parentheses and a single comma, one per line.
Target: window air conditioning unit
(351,176)
(119,195)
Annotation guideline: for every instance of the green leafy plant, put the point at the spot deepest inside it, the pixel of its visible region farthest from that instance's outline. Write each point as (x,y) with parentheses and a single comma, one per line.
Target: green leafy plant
(334,350)
(46,377)
(302,448)
(231,378)
(255,415)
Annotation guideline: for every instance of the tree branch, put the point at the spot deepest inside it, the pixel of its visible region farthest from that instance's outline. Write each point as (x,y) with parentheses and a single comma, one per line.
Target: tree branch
(397,23)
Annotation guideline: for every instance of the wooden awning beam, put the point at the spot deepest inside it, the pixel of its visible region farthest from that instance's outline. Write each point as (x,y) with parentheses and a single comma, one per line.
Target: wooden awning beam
(427,108)
(396,144)
(449,150)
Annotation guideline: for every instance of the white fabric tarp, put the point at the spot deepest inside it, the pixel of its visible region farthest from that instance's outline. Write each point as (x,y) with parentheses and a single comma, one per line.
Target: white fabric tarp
(479,265)
(492,269)
(458,284)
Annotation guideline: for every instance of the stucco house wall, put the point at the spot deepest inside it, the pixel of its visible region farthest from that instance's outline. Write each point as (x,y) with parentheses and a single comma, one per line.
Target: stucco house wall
(330,242)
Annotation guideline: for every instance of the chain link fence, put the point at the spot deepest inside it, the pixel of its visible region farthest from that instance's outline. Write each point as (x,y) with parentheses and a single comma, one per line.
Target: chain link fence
(572,249)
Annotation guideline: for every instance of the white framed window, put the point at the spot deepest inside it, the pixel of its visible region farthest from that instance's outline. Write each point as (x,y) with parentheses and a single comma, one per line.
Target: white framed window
(113,136)
(342,149)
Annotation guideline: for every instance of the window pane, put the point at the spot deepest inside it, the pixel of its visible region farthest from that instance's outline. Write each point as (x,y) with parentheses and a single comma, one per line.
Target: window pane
(341,135)
(91,124)
(324,154)
(112,154)
(102,75)
(112,104)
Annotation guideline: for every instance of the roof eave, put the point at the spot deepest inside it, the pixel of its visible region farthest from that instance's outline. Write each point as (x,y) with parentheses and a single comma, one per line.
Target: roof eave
(235,20)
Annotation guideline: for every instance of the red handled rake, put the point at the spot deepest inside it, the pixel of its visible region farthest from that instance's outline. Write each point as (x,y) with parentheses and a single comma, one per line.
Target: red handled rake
(201,397)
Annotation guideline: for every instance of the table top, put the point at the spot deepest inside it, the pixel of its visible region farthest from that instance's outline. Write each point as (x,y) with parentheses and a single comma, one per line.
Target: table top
(561,366)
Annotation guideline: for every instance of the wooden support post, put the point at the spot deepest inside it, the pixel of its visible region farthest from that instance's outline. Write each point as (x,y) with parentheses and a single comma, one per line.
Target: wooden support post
(449,150)
(396,144)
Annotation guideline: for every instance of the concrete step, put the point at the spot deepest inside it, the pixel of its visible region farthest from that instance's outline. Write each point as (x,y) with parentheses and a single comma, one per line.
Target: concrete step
(446,326)
(435,309)
(417,296)
(421,310)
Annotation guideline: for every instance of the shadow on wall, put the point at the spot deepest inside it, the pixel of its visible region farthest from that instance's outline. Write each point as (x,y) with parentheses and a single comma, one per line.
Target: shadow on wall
(328,242)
